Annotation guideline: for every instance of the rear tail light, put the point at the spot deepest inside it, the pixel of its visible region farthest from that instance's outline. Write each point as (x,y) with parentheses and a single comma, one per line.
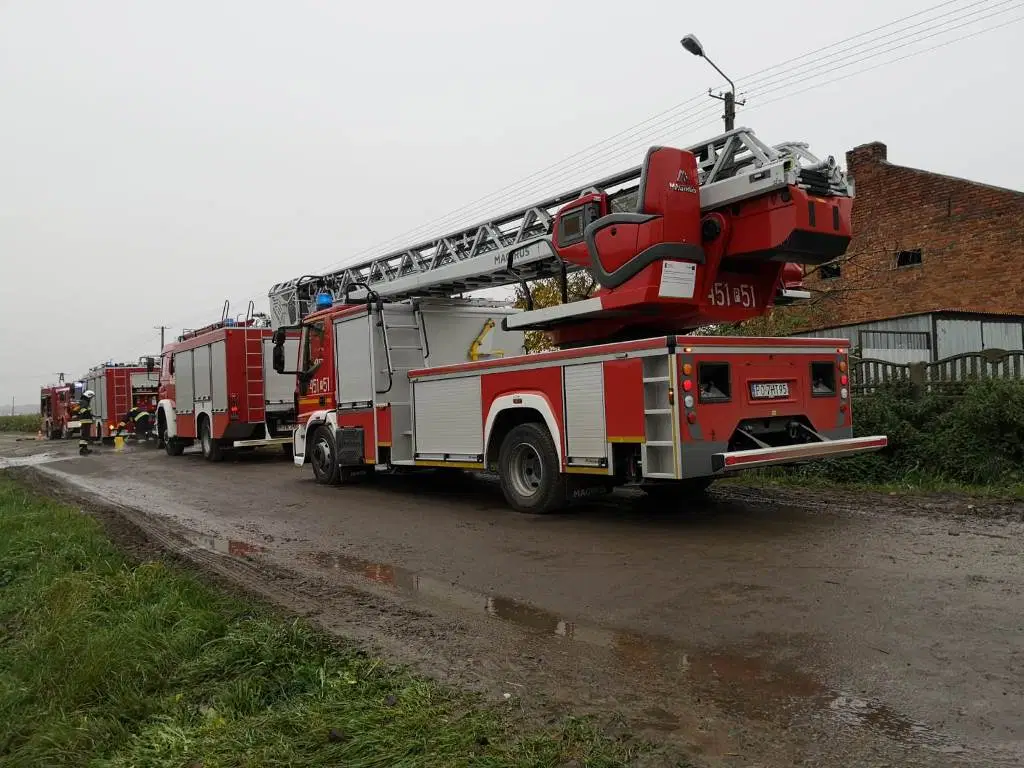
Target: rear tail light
(234,405)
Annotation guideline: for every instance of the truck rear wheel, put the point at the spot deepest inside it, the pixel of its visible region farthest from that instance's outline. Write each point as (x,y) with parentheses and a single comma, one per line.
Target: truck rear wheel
(323,455)
(531,477)
(211,447)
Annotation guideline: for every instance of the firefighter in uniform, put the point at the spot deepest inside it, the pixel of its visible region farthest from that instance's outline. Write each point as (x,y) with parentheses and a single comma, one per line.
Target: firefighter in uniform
(142,421)
(84,416)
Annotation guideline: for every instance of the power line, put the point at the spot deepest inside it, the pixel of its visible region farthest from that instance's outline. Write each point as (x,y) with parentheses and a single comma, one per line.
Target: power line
(893,61)
(829,59)
(895,46)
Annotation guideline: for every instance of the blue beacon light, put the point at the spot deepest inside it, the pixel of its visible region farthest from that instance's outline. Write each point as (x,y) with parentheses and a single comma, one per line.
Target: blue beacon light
(324,300)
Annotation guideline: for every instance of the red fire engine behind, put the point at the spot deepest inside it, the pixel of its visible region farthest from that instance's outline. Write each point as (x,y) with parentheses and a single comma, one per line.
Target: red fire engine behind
(217,386)
(117,388)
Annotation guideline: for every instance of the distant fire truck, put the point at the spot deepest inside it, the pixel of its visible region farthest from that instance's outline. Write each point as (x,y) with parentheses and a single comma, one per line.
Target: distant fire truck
(218,387)
(55,410)
(391,376)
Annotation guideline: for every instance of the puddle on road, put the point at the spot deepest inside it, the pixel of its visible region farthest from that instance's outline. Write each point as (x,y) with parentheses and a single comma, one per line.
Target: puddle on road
(232,547)
(746,684)
(7,462)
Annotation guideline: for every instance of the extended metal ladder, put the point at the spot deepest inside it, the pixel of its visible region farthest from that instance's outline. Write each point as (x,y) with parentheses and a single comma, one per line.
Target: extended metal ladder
(516,247)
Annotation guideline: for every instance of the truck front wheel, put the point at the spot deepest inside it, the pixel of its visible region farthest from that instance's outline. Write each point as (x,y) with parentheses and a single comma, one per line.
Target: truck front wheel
(323,455)
(531,477)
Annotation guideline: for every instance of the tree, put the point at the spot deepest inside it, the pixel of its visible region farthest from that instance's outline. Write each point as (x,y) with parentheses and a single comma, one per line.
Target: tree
(780,321)
(548,293)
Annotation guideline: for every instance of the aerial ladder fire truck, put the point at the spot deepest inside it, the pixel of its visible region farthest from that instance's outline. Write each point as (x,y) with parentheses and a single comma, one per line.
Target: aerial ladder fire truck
(395,370)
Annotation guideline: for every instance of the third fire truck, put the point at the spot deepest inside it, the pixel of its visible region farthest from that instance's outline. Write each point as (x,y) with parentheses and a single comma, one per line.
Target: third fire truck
(396,372)
(217,387)
(117,387)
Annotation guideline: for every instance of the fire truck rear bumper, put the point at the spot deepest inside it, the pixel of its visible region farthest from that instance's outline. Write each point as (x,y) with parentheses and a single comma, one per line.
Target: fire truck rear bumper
(790,454)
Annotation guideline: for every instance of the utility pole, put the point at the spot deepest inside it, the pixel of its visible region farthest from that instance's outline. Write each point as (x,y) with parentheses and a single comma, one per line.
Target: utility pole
(161,328)
(692,44)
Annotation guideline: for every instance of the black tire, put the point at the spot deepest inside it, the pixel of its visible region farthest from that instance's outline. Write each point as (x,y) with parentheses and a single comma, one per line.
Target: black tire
(172,445)
(210,446)
(323,454)
(531,475)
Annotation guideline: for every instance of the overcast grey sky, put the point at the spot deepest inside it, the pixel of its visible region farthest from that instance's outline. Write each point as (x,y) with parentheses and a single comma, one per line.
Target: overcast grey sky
(157,158)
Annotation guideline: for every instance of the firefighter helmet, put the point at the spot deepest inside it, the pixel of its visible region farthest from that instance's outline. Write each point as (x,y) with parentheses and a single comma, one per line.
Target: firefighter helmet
(89,394)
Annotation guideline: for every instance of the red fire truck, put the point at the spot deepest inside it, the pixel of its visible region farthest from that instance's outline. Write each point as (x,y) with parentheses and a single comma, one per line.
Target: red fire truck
(217,386)
(54,408)
(391,376)
(118,387)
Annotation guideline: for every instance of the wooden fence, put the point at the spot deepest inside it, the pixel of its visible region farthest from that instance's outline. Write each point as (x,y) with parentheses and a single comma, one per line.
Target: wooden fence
(947,375)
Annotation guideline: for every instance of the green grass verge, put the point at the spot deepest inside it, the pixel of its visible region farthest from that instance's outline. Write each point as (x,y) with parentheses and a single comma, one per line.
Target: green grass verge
(25,423)
(108,663)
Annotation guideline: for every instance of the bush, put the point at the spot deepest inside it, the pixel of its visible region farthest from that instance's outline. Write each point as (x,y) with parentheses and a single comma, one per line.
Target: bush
(975,437)
(28,422)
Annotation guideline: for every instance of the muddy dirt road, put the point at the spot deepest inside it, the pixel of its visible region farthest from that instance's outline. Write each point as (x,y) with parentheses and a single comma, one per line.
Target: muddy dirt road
(754,629)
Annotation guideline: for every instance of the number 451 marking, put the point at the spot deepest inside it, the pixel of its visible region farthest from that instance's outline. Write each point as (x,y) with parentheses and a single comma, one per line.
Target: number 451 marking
(721,295)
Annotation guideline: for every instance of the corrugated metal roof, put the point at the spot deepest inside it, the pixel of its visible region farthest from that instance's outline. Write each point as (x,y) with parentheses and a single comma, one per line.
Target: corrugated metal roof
(949,311)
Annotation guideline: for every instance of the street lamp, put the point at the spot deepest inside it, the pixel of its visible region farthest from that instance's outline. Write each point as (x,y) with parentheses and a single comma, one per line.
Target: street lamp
(692,45)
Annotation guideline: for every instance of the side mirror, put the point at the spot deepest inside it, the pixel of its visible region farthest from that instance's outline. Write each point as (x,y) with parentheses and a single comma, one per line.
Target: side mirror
(279,337)
(278,354)
(150,364)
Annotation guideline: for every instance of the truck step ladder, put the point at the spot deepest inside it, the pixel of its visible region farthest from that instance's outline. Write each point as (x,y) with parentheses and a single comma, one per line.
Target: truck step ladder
(122,396)
(658,452)
(255,395)
(404,350)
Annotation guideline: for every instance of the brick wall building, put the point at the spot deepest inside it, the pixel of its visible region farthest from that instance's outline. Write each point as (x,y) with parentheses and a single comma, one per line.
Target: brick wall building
(922,243)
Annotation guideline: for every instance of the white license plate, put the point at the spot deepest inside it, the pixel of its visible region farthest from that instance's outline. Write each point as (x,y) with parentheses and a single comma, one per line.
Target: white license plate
(762,391)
